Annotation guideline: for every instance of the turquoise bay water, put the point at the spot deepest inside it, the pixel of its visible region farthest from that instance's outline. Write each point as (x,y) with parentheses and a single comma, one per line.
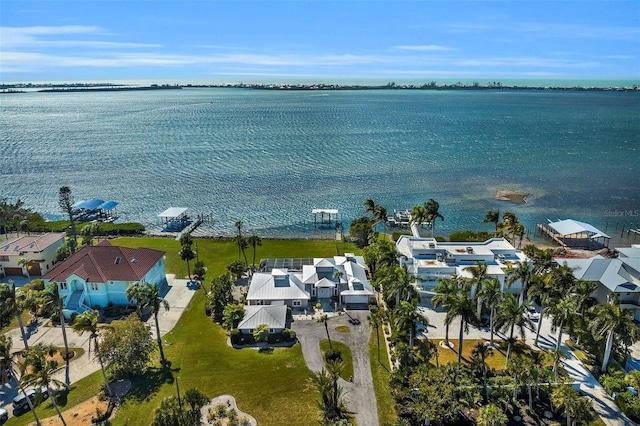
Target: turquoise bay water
(268,157)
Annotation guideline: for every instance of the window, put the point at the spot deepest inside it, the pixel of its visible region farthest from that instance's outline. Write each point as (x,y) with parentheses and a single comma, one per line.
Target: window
(4,258)
(94,286)
(297,303)
(63,285)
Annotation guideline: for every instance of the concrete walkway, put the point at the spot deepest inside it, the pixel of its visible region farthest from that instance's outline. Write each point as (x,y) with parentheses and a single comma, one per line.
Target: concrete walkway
(178,296)
(359,394)
(603,404)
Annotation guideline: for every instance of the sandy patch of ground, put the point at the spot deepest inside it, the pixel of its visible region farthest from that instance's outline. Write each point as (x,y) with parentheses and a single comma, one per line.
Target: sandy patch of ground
(81,414)
(229,402)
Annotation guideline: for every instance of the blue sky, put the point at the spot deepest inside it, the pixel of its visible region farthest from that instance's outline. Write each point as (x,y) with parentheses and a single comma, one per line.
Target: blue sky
(320,41)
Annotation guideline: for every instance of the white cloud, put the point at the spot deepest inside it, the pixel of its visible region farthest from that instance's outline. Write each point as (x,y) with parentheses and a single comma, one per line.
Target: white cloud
(46,37)
(425,48)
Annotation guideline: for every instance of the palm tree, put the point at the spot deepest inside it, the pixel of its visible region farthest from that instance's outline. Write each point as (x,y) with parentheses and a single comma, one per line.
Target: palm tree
(462,305)
(24,264)
(65,202)
(432,209)
(562,313)
(510,316)
(5,358)
(379,216)
(556,355)
(22,367)
(12,300)
(53,299)
(567,398)
(418,215)
(478,278)
(482,352)
(509,226)
(493,216)
(147,295)
(370,206)
(611,319)
(254,241)
(522,273)
(88,321)
(325,320)
(544,288)
(187,254)
(445,291)
(518,230)
(376,319)
(491,415)
(491,294)
(397,283)
(406,319)
(41,376)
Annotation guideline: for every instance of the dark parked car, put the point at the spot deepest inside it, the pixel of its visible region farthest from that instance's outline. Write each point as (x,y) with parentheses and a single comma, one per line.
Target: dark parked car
(20,401)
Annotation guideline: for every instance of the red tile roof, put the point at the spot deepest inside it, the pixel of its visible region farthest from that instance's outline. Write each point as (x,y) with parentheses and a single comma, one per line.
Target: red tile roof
(30,243)
(105,262)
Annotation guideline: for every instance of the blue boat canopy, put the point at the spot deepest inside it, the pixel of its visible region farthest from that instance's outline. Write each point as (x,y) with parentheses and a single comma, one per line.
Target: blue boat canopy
(90,205)
(108,205)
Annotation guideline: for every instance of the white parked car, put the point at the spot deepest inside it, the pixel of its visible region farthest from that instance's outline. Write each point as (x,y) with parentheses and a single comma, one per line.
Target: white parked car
(531,313)
(4,416)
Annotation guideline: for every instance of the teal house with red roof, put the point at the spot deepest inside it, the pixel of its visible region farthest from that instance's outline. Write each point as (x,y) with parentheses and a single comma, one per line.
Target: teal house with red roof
(98,275)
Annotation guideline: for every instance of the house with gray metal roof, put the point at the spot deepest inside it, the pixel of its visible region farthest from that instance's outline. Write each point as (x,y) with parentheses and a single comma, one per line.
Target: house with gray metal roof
(274,316)
(620,276)
(338,280)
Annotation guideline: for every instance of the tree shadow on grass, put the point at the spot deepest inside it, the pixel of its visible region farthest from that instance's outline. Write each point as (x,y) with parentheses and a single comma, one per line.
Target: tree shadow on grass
(145,386)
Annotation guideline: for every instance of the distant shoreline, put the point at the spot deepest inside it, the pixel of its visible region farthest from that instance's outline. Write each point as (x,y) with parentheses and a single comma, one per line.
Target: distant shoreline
(433,86)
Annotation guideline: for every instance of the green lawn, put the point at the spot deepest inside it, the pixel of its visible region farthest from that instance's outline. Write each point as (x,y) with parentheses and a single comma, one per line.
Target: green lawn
(380,372)
(217,254)
(271,386)
(345,352)
(78,392)
(497,361)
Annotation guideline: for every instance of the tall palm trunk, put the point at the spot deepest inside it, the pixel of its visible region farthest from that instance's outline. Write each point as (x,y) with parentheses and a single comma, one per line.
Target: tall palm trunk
(378,339)
(67,380)
(22,333)
(55,405)
(559,339)
(542,308)
(162,360)
(104,374)
(31,407)
(510,343)
(607,351)
(460,339)
(326,327)
(446,333)
(493,312)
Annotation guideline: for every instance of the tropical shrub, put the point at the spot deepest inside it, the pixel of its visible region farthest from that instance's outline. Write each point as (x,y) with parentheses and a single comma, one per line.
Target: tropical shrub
(629,404)
(333,355)
(288,335)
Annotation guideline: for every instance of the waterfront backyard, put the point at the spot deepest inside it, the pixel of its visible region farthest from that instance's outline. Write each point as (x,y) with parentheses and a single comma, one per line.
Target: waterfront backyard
(270,386)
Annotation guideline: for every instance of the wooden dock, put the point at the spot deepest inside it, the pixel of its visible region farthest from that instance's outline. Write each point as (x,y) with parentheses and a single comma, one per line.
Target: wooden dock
(551,234)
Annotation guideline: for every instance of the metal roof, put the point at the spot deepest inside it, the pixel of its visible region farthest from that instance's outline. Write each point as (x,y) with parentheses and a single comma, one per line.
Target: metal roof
(274,316)
(173,212)
(89,205)
(572,227)
(108,205)
(320,211)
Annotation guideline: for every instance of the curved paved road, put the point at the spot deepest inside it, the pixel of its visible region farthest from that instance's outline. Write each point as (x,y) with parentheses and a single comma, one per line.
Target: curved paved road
(359,394)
